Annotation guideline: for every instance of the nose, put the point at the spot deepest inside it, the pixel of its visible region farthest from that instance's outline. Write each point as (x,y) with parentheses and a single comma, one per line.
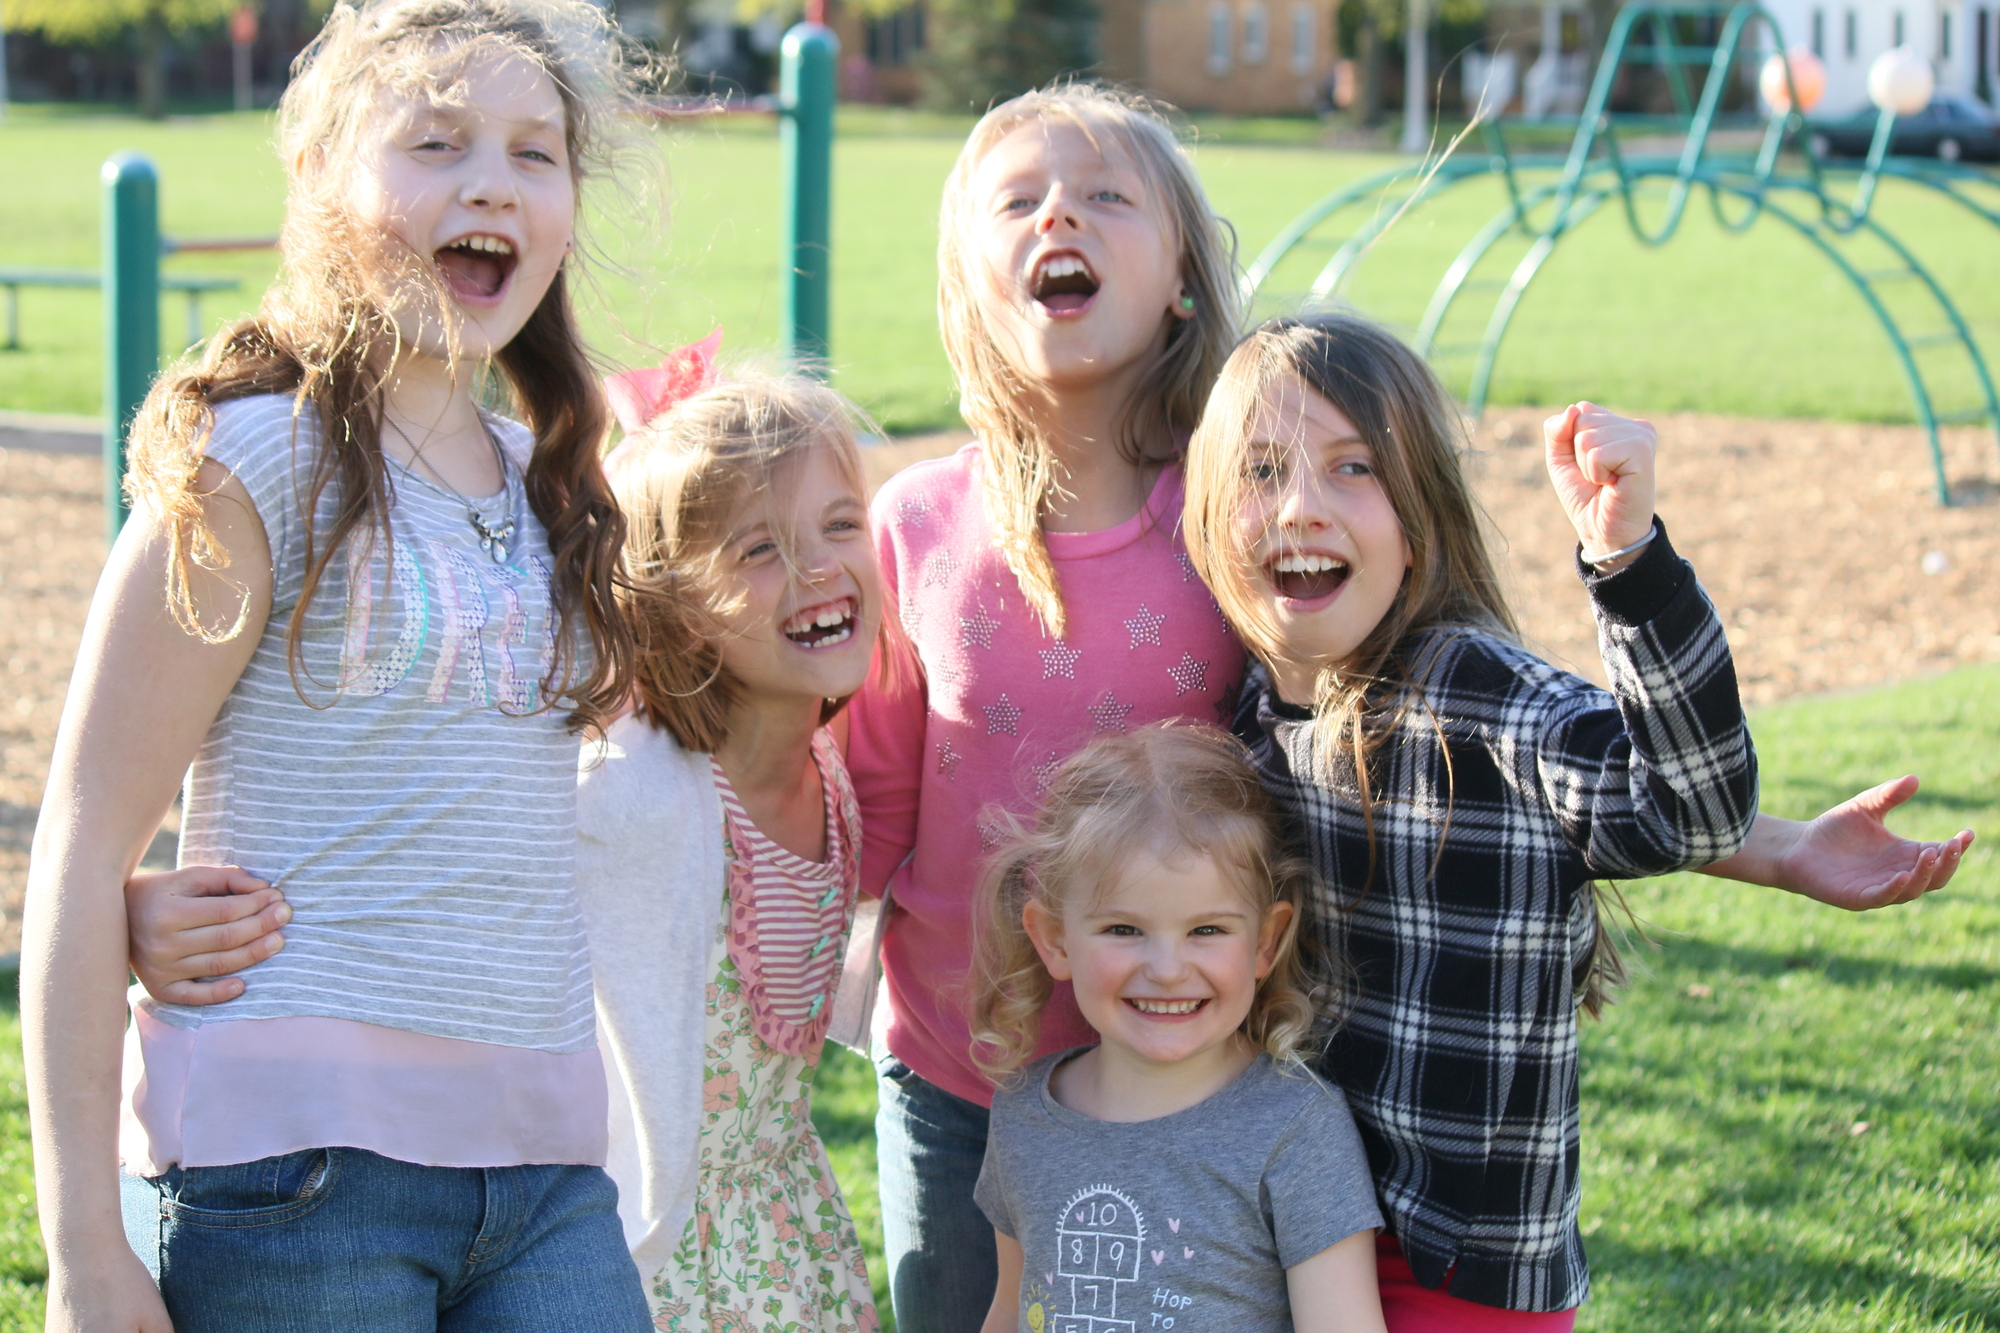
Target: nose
(488,182)
(1166,961)
(1055,211)
(1304,507)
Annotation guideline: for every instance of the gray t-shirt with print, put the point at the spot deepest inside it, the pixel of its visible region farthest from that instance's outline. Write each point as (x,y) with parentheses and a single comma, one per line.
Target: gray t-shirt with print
(1187,1222)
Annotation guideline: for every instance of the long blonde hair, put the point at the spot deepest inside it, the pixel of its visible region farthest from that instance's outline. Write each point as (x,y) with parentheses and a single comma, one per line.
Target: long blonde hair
(324,337)
(1000,403)
(680,480)
(1166,787)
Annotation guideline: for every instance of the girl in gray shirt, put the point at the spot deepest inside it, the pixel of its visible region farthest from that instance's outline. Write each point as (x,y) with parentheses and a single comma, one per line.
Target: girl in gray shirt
(1187,1172)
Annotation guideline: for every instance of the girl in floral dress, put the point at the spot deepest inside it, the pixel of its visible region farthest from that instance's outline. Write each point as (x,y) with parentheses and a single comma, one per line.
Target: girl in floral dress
(719,847)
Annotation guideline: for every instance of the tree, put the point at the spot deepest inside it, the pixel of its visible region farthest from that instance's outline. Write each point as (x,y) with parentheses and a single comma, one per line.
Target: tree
(983,51)
(97,20)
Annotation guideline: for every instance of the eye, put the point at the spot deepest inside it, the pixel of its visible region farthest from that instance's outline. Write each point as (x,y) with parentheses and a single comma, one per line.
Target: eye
(845,525)
(1261,471)
(537,155)
(759,549)
(1018,202)
(1354,467)
(1109,197)
(1122,931)
(1208,931)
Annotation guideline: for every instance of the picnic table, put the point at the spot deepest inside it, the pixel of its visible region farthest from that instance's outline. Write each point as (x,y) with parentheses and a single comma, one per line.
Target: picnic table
(193,286)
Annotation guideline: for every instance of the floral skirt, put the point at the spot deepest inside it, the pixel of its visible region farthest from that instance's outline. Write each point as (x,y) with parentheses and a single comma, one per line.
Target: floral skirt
(770,1249)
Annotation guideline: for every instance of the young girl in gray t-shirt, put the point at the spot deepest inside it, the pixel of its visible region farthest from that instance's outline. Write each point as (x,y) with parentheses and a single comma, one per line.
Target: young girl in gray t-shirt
(1187,1172)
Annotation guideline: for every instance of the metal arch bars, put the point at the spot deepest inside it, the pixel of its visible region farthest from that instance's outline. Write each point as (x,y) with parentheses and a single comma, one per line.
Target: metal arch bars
(1575,185)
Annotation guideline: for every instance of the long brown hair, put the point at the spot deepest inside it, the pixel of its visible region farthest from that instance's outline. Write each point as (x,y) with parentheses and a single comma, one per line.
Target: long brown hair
(680,480)
(323,335)
(1416,435)
(1166,787)
(1000,403)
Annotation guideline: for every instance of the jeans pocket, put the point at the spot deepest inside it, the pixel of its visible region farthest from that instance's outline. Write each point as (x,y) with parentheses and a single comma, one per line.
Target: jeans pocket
(895,1071)
(250,1194)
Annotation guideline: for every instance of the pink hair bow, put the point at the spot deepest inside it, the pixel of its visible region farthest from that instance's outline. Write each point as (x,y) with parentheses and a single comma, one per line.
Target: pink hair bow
(638,396)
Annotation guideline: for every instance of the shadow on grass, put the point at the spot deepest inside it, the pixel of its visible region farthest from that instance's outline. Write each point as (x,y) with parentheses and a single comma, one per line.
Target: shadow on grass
(1811,795)
(1782,1279)
(1704,958)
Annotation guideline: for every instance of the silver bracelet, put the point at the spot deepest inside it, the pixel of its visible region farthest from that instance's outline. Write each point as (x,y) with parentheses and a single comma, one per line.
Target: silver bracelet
(1623,551)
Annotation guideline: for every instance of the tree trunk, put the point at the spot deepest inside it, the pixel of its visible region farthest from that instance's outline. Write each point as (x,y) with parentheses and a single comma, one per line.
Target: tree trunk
(1368,97)
(153,65)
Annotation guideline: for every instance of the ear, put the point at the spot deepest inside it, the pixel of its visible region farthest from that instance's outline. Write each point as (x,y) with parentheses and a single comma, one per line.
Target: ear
(1277,922)
(1045,931)
(1182,306)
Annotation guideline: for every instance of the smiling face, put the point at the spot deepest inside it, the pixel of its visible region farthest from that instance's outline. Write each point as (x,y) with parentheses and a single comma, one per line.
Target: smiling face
(1325,550)
(802,626)
(480,188)
(1165,965)
(1079,261)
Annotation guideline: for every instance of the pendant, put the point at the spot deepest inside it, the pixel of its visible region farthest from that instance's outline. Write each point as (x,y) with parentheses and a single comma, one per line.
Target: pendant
(493,540)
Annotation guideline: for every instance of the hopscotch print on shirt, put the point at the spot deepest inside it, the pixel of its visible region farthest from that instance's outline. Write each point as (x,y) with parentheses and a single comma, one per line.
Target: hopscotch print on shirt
(1098,1242)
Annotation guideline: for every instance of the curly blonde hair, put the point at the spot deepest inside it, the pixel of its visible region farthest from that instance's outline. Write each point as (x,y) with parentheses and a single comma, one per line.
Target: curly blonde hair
(1000,403)
(1187,789)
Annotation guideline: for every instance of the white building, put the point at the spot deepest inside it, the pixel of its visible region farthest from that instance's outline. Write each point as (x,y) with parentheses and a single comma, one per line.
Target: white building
(1960,37)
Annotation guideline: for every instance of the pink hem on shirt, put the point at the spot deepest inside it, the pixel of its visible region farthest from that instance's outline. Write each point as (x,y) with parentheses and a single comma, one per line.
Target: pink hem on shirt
(239,1091)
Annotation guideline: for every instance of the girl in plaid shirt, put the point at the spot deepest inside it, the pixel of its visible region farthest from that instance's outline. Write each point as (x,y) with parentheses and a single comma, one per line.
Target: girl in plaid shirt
(1459,796)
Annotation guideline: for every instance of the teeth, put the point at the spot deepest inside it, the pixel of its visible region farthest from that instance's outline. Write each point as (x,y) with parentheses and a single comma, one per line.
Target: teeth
(1062,266)
(1166,1006)
(824,618)
(1308,564)
(491,245)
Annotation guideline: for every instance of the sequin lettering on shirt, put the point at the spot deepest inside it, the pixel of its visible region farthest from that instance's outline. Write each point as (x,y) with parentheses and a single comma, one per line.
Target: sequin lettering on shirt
(516,690)
(358,674)
(462,602)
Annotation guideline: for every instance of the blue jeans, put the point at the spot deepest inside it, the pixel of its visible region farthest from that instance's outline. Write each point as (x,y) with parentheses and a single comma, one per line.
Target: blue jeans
(929,1145)
(345,1241)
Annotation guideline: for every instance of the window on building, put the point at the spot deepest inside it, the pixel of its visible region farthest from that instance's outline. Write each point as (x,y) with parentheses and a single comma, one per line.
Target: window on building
(1219,24)
(1944,34)
(1896,28)
(1304,38)
(1849,38)
(896,39)
(1819,33)
(1256,33)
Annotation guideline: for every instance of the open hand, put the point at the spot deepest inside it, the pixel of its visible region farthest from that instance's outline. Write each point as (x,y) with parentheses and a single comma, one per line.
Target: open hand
(1849,858)
(200,922)
(1602,467)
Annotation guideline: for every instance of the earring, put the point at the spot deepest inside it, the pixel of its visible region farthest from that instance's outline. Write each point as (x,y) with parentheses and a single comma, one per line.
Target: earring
(1187,303)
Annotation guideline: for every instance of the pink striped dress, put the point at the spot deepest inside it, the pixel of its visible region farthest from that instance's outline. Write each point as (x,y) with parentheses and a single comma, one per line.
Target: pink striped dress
(771,1244)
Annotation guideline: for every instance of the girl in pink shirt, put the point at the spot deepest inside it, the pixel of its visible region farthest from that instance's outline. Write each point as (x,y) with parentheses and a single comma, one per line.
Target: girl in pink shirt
(1088,299)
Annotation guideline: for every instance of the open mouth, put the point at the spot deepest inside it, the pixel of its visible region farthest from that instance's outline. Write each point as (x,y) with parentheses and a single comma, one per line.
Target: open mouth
(1062,283)
(476,267)
(824,625)
(1167,1008)
(1306,578)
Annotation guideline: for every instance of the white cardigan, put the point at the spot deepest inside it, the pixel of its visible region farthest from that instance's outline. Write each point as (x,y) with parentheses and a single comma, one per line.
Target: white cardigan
(650,876)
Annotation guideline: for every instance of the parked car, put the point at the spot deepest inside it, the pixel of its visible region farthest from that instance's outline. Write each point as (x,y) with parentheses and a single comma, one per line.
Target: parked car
(1952,128)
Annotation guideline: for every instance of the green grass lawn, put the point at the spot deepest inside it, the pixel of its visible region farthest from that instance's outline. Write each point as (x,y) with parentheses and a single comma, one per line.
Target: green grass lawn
(1754,324)
(1728,1186)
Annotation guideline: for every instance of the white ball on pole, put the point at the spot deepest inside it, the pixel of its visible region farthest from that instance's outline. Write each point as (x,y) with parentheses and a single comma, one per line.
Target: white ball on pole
(1901,81)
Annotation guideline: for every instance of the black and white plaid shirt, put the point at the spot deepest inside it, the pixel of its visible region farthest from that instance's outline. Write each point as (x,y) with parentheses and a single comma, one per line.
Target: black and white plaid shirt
(1459,1054)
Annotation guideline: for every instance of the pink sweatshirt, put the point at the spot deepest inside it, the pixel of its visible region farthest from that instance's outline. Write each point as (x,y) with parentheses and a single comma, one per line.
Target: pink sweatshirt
(999,707)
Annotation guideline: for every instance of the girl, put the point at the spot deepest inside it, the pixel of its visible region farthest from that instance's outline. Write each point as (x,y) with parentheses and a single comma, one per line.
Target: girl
(719,853)
(718,844)
(361,606)
(1087,297)
(1186,1166)
(1458,794)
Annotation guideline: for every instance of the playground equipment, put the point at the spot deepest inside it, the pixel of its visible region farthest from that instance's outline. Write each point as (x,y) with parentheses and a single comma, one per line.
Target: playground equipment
(1548,196)
(132,282)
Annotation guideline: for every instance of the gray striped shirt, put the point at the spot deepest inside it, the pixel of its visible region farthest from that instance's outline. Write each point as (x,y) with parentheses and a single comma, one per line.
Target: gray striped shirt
(420,813)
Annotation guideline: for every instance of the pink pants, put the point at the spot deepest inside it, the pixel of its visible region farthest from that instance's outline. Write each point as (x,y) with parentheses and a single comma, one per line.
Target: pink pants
(1408,1307)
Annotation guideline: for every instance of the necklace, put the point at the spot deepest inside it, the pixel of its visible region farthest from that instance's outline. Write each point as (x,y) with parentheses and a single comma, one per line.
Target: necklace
(495,537)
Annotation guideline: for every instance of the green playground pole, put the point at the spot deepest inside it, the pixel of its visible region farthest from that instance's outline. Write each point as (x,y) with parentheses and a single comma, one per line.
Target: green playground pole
(810,57)
(131,312)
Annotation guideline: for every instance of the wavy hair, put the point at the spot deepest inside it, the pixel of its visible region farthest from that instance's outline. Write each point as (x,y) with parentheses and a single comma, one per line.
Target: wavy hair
(1002,404)
(680,481)
(1186,788)
(325,334)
